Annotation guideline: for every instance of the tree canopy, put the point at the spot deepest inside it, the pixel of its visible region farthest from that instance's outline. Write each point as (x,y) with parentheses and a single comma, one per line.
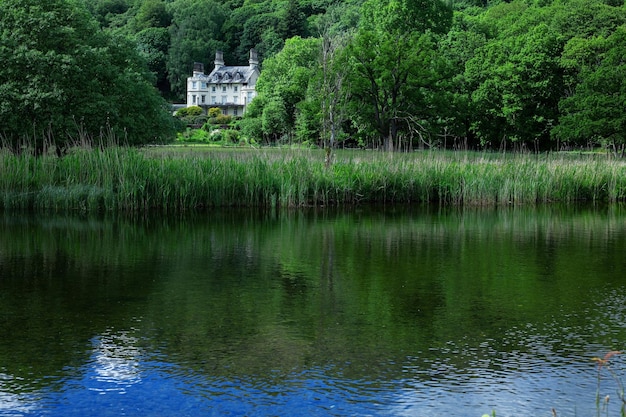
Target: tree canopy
(527,74)
(62,77)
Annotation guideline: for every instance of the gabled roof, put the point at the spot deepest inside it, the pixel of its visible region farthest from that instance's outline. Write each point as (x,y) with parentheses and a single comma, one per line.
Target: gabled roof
(231,74)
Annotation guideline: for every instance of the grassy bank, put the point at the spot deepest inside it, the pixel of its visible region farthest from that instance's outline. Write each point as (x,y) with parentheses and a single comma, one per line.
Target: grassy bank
(191,178)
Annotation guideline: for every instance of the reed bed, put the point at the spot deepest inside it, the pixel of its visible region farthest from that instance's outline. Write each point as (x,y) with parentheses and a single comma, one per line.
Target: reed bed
(129,179)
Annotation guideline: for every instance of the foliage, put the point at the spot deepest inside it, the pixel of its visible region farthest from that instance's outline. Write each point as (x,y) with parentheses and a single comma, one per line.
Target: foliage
(596,107)
(223,119)
(153,45)
(189,111)
(392,58)
(395,74)
(153,14)
(61,76)
(283,86)
(214,112)
(195,36)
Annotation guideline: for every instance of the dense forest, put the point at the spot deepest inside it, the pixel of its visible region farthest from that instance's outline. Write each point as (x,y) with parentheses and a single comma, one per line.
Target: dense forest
(391,74)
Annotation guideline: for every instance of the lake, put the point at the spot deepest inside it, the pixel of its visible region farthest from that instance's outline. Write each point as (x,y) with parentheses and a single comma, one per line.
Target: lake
(403,311)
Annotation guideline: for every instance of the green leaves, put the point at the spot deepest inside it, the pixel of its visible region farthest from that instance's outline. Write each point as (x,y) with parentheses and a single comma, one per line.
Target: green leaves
(195,36)
(61,75)
(284,83)
(596,107)
(393,63)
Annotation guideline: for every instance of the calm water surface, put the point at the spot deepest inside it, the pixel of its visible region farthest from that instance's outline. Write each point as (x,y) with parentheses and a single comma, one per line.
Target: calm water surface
(403,312)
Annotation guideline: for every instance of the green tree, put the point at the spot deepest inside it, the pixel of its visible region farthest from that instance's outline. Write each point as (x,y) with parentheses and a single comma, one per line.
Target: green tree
(518,84)
(274,119)
(294,21)
(392,63)
(195,36)
(153,14)
(285,79)
(595,110)
(257,29)
(153,44)
(452,100)
(61,76)
(108,11)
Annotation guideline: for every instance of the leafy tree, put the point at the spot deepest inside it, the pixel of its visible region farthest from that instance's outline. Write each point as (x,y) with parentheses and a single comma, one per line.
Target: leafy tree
(595,110)
(195,36)
(106,11)
(518,86)
(452,100)
(153,44)
(294,21)
(255,29)
(153,14)
(392,56)
(271,43)
(61,76)
(274,119)
(284,82)
(258,25)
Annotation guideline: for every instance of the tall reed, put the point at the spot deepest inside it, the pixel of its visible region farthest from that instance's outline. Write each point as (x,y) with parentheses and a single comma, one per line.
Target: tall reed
(118,178)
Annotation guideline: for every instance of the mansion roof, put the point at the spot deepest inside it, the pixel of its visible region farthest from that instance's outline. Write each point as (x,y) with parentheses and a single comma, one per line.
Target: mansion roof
(229,75)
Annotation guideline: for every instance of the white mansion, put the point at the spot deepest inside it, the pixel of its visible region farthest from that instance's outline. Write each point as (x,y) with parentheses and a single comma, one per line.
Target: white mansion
(228,88)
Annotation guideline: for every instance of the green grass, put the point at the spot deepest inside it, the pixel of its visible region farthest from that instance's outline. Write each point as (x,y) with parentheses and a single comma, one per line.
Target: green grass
(188,178)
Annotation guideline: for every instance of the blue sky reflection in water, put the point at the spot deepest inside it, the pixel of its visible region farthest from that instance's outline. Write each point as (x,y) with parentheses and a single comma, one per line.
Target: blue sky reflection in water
(403,313)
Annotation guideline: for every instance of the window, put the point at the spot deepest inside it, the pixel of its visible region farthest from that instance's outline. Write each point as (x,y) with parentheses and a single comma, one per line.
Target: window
(234,112)
(235,88)
(223,99)
(224,88)
(213,89)
(203,99)
(193,99)
(194,84)
(235,99)
(213,100)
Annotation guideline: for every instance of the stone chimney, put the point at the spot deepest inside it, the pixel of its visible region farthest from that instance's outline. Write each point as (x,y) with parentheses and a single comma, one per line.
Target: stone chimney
(254,60)
(219,59)
(198,68)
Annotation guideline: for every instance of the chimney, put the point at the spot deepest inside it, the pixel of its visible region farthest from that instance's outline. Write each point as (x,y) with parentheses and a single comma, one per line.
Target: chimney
(198,68)
(254,60)
(219,59)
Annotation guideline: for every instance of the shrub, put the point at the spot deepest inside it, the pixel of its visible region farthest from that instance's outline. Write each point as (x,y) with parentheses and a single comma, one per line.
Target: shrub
(223,119)
(231,136)
(217,135)
(214,112)
(192,111)
(193,135)
(251,128)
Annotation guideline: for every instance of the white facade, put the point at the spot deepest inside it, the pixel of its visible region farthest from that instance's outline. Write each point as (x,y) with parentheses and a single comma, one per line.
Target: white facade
(229,88)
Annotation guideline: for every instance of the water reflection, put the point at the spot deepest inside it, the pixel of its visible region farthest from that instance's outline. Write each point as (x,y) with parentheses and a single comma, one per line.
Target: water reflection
(12,402)
(402,312)
(115,362)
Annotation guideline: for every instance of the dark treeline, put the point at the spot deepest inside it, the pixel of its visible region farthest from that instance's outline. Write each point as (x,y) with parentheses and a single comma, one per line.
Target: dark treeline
(392,74)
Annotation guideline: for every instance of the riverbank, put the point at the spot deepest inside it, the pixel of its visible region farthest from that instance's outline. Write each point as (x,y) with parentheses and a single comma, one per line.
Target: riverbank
(188,178)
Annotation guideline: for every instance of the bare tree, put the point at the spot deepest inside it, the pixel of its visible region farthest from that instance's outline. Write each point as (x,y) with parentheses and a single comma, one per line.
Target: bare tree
(333,92)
